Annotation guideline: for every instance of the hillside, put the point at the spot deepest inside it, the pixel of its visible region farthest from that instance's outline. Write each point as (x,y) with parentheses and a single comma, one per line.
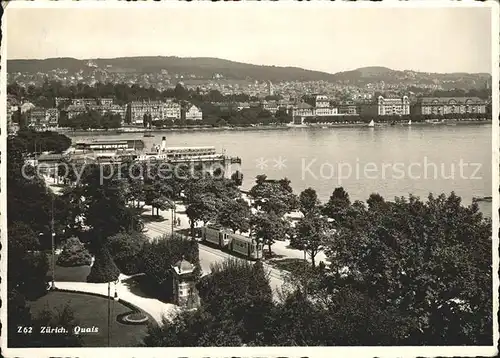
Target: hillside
(205,67)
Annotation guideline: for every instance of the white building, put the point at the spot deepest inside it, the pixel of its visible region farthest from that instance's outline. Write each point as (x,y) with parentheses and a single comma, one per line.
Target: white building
(193,113)
(325,111)
(393,106)
(172,110)
(321,101)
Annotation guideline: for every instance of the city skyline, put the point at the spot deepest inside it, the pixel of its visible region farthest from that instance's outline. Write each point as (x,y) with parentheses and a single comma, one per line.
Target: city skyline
(452,40)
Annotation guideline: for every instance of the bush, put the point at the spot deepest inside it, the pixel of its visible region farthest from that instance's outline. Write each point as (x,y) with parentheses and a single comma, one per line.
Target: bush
(74,254)
(125,250)
(158,258)
(104,268)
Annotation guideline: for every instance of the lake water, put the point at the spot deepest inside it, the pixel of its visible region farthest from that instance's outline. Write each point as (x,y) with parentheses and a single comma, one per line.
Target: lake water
(392,161)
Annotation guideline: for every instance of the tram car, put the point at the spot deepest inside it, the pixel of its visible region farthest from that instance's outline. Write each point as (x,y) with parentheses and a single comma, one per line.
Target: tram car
(215,235)
(232,242)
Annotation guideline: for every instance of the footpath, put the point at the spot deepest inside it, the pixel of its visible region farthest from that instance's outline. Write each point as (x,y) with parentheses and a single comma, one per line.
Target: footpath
(127,291)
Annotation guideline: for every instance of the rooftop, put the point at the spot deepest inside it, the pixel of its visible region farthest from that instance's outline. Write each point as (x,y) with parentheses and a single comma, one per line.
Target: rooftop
(183,266)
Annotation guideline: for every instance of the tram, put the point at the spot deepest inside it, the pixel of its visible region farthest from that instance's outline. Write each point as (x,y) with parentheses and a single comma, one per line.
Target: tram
(226,240)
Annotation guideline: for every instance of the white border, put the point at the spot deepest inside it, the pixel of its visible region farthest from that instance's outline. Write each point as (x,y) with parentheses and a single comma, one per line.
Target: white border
(463,351)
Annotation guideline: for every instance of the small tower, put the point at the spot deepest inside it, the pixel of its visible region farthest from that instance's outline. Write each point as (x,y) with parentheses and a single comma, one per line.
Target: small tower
(184,284)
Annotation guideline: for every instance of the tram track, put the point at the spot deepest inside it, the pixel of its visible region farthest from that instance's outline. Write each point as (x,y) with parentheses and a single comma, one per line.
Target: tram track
(160,229)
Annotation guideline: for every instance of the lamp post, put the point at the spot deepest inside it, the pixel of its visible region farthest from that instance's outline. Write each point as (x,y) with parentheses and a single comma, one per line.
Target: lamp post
(53,235)
(172,212)
(109,313)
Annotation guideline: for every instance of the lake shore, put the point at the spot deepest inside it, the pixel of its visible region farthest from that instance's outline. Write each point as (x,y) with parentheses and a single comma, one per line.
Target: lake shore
(128,130)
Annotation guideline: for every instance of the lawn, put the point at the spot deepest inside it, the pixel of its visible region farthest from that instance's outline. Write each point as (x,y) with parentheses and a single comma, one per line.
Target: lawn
(71,274)
(92,311)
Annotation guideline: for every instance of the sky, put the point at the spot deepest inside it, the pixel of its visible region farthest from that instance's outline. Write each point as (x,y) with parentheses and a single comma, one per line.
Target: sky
(320,38)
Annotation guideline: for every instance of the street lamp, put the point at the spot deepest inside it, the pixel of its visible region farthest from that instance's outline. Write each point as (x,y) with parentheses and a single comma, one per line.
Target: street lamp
(109,312)
(172,214)
(53,235)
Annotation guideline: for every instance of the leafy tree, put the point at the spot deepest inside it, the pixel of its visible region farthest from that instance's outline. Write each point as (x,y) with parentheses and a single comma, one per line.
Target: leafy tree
(312,231)
(235,214)
(308,201)
(239,292)
(268,227)
(157,260)
(74,254)
(126,250)
(32,141)
(104,268)
(273,195)
(337,205)
(184,331)
(376,202)
(27,267)
(201,208)
(237,177)
(429,260)
(105,205)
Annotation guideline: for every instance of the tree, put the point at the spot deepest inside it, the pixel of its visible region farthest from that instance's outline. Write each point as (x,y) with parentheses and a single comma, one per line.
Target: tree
(235,215)
(427,260)
(337,205)
(104,268)
(237,177)
(312,232)
(105,205)
(27,267)
(74,254)
(376,202)
(308,201)
(183,331)
(273,195)
(126,249)
(268,227)
(201,208)
(157,260)
(237,291)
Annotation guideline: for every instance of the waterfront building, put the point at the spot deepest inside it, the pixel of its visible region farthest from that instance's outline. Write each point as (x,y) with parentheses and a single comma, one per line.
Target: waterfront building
(271,106)
(75,110)
(113,109)
(242,105)
(303,110)
(325,111)
(61,100)
(90,102)
(106,102)
(52,117)
(193,113)
(393,106)
(321,101)
(440,106)
(348,107)
(108,146)
(172,110)
(38,117)
(140,108)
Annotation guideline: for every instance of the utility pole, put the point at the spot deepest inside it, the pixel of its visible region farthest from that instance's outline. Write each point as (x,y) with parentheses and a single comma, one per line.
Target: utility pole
(172,209)
(109,313)
(52,235)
